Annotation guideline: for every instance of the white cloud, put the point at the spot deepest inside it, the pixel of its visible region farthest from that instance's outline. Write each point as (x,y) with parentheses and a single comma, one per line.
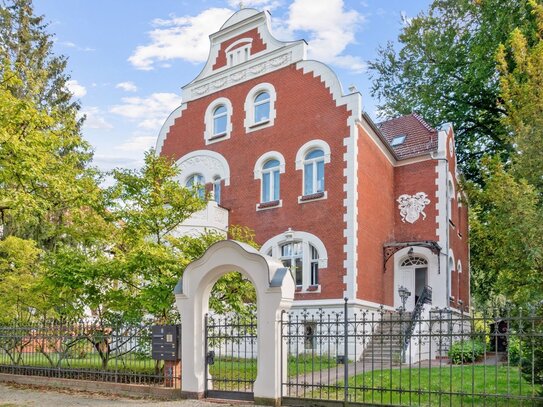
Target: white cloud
(180,38)
(258,4)
(331,29)
(137,144)
(127,86)
(95,118)
(149,112)
(77,90)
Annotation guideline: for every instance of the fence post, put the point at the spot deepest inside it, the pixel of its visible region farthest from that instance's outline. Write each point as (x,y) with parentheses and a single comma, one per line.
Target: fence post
(346,353)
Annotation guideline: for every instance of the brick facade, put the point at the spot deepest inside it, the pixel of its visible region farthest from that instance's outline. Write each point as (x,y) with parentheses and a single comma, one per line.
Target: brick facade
(358,214)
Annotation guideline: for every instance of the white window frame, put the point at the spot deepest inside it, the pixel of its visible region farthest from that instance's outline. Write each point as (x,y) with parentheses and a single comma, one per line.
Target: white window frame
(258,172)
(209,132)
(307,239)
(301,161)
(250,122)
(314,162)
(271,186)
(236,56)
(194,185)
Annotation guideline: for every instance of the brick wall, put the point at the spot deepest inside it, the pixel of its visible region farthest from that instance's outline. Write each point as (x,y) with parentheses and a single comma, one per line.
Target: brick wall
(305,111)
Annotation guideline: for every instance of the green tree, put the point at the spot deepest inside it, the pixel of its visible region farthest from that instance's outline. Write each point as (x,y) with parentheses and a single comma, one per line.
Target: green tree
(520,63)
(506,225)
(445,69)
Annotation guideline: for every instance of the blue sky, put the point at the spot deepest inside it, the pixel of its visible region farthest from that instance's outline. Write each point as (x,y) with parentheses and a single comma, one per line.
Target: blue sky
(129,58)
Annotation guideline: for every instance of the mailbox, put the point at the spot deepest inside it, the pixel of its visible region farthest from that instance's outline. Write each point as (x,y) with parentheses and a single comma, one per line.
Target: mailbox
(165,342)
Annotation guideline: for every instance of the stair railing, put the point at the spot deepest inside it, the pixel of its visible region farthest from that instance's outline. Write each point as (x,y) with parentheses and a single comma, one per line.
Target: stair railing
(424,298)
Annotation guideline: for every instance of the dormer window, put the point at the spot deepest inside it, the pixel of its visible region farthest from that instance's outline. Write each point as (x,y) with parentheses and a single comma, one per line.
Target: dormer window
(398,140)
(239,51)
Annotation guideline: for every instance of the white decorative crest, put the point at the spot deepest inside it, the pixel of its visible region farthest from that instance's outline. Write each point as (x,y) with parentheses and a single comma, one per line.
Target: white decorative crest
(412,206)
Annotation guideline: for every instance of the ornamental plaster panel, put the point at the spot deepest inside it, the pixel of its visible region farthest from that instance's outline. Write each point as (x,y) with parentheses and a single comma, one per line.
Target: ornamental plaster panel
(412,206)
(208,163)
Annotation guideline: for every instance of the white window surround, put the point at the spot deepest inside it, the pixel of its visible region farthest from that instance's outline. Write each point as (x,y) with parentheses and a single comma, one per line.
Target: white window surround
(249,122)
(206,162)
(459,267)
(270,155)
(274,244)
(312,145)
(263,159)
(236,54)
(316,144)
(209,135)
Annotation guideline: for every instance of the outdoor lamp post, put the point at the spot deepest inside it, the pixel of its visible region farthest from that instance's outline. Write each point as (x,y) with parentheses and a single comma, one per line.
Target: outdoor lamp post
(404,294)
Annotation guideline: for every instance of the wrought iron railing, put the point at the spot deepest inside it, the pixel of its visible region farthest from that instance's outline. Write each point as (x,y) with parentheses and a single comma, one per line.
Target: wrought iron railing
(351,355)
(424,298)
(119,353)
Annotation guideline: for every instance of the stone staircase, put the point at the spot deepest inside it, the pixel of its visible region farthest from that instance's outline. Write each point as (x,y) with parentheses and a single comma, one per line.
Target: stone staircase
(385,346)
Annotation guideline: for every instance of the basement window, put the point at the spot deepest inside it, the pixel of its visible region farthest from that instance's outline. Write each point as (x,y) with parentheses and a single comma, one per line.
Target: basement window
(398,140)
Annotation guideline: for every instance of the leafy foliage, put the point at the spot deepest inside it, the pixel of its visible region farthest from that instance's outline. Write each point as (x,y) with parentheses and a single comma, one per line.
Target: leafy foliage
(465,351)
(445,69)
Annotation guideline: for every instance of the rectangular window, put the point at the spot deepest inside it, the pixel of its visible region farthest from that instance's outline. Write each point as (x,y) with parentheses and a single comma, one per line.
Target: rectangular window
(320,176)
(308,179)
(219,125)
(262,112)
(276,185)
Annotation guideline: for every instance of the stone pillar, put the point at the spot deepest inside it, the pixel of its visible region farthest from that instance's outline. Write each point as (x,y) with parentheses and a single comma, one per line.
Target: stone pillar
(275,292)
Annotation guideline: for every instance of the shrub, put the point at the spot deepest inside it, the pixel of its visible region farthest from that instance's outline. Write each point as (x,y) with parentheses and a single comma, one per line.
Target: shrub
(465,351)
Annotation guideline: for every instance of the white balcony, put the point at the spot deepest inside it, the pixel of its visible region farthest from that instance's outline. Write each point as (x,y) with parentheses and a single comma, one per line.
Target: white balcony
(213,217)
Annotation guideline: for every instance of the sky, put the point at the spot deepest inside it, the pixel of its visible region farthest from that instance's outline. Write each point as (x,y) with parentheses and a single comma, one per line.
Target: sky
(128,59)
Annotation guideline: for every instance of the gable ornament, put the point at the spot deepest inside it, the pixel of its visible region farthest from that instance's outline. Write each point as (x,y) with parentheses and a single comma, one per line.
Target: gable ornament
(412,206)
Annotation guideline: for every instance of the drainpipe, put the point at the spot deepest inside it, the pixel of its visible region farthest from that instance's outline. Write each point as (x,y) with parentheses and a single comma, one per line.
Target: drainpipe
(447,211)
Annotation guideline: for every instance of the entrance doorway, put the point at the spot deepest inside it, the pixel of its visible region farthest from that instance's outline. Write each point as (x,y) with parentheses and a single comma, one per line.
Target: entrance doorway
(421,281)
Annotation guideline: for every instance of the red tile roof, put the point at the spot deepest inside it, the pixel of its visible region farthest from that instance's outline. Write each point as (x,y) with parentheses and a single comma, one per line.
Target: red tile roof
(420,138)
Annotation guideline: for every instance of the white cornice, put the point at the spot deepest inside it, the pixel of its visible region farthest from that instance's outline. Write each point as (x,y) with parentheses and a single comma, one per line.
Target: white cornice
(254,68)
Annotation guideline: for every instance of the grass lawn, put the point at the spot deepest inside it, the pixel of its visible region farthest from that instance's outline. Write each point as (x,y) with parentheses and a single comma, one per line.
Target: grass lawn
(127,364)
(428,387)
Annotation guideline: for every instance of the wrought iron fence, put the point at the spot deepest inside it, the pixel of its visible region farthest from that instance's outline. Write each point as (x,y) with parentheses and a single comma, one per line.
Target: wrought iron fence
(85,351)
(451,358)
(231,356)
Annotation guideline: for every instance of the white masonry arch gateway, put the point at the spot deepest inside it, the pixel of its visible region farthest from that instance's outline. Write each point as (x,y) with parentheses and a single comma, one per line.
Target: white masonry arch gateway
(274,293)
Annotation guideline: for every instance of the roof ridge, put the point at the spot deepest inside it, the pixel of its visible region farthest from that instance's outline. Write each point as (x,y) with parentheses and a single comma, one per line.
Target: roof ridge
(423,122)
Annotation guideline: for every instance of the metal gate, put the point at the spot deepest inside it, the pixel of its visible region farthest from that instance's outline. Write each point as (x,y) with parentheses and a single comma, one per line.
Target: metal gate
(230,356)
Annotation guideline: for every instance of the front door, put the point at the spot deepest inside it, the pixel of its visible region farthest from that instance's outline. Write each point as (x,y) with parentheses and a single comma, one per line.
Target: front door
(420,281)
(230,356)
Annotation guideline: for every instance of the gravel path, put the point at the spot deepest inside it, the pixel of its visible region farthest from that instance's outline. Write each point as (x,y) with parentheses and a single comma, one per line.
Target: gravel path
(19,395)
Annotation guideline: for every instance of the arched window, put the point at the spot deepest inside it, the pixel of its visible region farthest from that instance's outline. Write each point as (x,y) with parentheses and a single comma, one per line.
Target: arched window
(292,257)
(220,119)
(196,182)
(262,107)
(414,261)
(270,181)
(303,253)
(217,190)
(314,172)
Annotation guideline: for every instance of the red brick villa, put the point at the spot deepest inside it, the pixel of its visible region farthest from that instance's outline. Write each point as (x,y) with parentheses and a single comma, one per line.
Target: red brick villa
(356,209)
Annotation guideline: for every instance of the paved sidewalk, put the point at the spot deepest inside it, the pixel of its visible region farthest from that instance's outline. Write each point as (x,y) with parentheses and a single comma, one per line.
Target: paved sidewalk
(19,395)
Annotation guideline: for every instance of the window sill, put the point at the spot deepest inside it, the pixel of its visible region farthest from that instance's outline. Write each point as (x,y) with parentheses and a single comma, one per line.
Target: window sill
(262,123)
(269,205)
(313,288)
(217,138)
(313,197)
